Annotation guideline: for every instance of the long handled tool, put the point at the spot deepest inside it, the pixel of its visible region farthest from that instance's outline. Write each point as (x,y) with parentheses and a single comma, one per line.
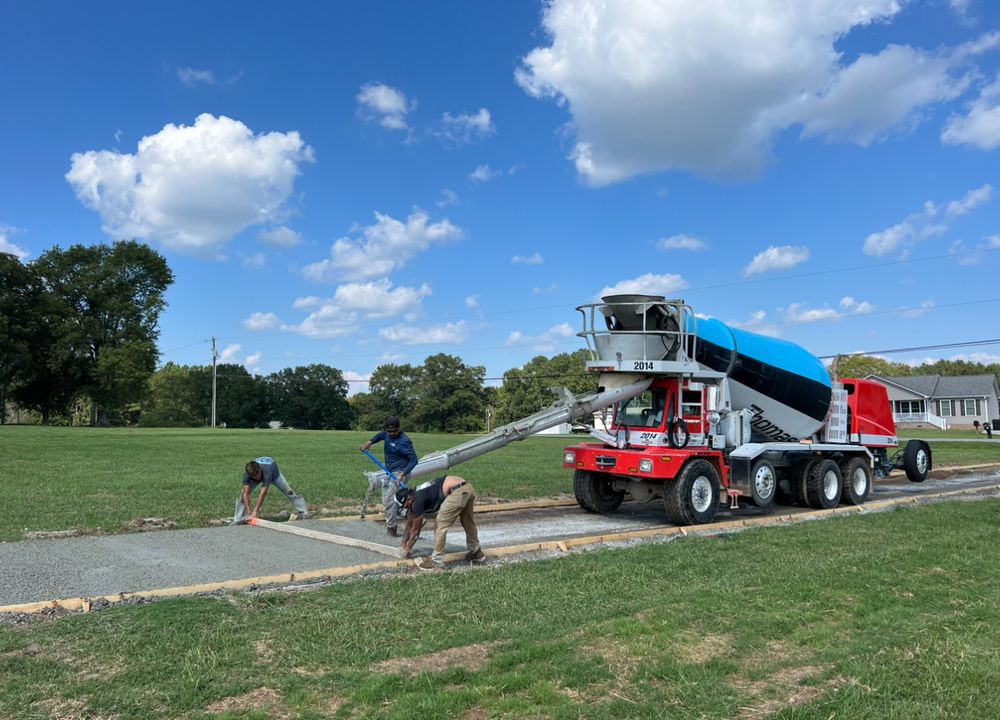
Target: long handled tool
(374,481)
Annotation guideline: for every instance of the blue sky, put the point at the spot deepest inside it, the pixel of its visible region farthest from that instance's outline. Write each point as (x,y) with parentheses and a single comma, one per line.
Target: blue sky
(358,183)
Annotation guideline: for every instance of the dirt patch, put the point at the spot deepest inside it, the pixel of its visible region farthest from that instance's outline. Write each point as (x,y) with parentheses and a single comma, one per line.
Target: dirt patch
(784,690)
(149,524)
(259,699)
(59,709)
(467,657)
(776,652)
(265,654)
(704,648)
(54,534)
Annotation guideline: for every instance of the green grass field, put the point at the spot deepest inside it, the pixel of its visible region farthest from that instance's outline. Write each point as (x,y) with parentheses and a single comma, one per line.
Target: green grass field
(891,615)
(90,478)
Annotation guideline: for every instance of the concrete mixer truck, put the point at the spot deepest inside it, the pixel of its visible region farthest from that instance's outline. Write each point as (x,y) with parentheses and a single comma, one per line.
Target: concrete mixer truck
(727,414)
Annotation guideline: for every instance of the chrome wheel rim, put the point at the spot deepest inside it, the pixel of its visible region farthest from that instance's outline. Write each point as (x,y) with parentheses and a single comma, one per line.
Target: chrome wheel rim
(831,488)
(701,494)
(859,481)
(764,482)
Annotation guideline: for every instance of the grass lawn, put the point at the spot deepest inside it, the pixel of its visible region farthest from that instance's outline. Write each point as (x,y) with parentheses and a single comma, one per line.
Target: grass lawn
(892,615)
(89,478)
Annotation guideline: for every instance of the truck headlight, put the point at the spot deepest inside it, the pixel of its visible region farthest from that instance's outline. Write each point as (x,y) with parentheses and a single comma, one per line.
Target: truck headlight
(569,458)
(646,465)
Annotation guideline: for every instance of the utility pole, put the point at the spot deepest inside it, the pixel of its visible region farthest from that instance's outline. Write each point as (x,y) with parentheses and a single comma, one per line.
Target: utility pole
(213,382)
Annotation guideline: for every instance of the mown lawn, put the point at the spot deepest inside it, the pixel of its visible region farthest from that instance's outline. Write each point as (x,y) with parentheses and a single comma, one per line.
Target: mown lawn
(90,478)
(892,615)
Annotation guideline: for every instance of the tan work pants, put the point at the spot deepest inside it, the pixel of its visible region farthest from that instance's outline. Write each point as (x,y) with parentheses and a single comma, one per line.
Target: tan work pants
(457,506)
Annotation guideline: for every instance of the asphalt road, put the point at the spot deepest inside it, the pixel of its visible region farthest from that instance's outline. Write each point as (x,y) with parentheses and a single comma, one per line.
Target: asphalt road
(34,571)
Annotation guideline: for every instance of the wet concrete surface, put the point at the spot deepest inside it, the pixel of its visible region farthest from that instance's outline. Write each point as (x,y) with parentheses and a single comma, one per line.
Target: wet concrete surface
(43,570)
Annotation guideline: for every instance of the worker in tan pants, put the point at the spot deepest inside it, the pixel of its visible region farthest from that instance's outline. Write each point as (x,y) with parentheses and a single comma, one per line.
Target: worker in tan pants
(452,498)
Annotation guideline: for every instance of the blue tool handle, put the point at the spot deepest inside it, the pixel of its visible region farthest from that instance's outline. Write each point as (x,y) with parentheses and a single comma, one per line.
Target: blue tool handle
(378,462)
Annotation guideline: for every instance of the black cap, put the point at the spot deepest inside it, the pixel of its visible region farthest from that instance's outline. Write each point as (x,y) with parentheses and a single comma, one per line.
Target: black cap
(401,496)
(392,422)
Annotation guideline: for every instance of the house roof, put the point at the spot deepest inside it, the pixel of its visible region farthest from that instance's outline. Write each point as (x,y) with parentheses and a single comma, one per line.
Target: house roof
(938,386)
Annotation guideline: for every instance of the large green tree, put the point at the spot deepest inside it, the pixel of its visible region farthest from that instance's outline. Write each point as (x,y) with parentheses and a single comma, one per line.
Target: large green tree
(113,295)
(310,397)
(18,293)
(241,398)
(450,396)
(393,390)
(528,389)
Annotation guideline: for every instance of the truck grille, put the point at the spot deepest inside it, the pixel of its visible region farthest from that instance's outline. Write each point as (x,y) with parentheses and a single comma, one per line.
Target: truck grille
(605,461)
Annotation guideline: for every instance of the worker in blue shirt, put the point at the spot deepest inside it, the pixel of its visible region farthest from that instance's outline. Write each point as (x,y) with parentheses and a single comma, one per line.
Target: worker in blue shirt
(400,458)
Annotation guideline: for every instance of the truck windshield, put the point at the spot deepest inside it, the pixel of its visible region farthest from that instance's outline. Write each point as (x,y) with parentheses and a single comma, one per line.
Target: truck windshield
(644,410)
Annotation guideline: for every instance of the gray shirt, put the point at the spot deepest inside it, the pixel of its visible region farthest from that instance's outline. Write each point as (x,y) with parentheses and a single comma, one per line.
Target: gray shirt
(269,471)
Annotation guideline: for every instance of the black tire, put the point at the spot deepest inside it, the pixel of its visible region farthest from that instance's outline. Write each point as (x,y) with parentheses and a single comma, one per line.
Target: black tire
(823,484)
(693,497)
(856,474)
(917,460)
(784,494)
(594,492)
(678,434)
(763,483)
(800,482)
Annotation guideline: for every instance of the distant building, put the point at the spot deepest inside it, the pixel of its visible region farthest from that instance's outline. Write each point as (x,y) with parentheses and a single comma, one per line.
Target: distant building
(943,401)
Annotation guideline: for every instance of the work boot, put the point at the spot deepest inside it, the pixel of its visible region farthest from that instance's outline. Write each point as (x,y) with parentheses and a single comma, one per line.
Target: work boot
(392,531)
(425,563)
(476,556)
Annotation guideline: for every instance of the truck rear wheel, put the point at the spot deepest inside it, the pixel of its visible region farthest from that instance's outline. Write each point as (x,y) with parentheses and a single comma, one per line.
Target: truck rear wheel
(693,498)
(823,484)
(857,477)
(594,492)
(800,482)
(763,483)
(917,460)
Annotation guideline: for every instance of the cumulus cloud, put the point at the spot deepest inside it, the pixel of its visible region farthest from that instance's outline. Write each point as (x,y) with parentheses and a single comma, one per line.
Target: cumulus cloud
(548,341)
(385,105)
(706,86)
(6,246)
(980,126)
(472,302)
(280,237)
(783,257)
(343,313)
(464,128)
(229,354)
(925,223)
(483,173)
(648,284)
(356,382)
(252,362)
(448,197)
(446,334)
(383,247)
(261,321)
(255,260)
(192,77)
(191,188)
(681,242)
(534,259)
(799,313)
(851,305)
(917,312)
(757,323)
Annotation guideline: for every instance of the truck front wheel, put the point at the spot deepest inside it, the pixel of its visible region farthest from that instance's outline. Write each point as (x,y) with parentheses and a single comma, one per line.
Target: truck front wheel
(594,492)
(693,498)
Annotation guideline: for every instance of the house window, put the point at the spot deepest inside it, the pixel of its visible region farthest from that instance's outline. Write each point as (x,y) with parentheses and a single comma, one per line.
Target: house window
(945,408)
(970,406)
(907,407)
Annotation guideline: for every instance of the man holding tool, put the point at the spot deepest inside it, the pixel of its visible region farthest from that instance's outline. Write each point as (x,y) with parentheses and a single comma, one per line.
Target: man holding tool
(400,459)
(264,471)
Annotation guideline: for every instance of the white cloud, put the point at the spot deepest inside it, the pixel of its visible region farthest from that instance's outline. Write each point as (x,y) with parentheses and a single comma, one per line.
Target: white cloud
(972,200)
(681,242)
(385,246)
(993,241)
(783,257)
(980,126)
(472,302)
(447,334)
(6,246)
(192,77)
(851,305)
(261,321)
(547,290)
(924,224)
(648,284)
(356,382)
(548,341)
(758,324)
(229,354)
(448,198)
(463,128)
(191,187)
(252,362)
(706,86)
(381,103)
(799,313)
(280,237)
(483,173)
(533,259)
(917,312)
(341,314)
(256,260)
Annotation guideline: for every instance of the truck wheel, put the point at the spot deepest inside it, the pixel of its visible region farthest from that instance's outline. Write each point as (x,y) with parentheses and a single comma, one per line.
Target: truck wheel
(823,485)
(693,498)
(763,483)
(857,476)
(800,482)
(917,460)
(784,494)
(594,492)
